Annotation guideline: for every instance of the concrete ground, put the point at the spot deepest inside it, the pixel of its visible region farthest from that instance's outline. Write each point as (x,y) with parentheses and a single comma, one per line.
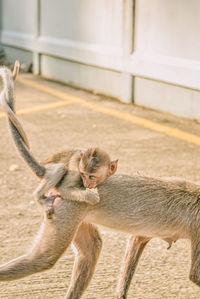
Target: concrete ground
(56,117)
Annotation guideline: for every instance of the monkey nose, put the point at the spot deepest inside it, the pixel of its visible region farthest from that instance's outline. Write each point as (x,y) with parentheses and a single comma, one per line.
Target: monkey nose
(88,186)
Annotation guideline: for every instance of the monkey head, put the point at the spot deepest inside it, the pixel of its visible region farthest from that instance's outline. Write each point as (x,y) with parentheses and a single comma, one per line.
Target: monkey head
(95,165)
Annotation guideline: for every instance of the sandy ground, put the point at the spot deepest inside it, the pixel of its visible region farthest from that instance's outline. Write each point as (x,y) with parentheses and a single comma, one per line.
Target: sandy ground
(161,273)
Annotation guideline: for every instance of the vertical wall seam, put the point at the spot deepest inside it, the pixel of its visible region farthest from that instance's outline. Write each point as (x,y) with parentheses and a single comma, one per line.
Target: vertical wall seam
(127,44)
(36,53)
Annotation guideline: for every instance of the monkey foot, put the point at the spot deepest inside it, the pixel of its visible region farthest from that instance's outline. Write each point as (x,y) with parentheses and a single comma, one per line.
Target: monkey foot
(49,212)
(48,204)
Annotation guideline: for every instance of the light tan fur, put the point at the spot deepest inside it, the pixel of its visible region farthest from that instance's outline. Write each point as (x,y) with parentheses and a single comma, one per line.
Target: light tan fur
(66,170)
(64,166)
(141,206)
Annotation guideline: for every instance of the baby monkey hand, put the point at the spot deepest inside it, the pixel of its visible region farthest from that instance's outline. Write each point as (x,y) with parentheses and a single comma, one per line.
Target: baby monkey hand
(92,196)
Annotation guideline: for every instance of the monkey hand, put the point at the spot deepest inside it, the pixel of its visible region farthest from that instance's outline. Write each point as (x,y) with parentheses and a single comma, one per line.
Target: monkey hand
(92,198)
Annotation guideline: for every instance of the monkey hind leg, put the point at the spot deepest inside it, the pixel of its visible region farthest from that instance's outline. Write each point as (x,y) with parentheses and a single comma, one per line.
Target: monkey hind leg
(54,237)
(133,253)
(87,243)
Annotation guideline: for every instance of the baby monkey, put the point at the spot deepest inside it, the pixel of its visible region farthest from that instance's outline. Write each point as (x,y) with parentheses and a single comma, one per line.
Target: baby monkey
(86,169)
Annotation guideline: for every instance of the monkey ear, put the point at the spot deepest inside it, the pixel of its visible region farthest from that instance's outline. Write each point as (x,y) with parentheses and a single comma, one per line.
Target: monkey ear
(81,155)
(113,167)
(95,151)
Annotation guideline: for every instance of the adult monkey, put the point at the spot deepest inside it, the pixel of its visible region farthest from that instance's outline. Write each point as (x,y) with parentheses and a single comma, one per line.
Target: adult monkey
(144,207)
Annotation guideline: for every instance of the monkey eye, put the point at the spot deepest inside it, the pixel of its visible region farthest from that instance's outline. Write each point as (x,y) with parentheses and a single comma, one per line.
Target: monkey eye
(91,177)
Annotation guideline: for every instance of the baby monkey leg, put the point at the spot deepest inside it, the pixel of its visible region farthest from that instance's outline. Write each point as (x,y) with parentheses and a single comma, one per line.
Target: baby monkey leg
(53,174)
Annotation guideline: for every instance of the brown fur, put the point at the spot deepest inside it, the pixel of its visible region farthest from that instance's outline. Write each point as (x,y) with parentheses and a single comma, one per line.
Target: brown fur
(144,207)
(61,167)
(67,163)
(93,158)
(61,170)
(141,206)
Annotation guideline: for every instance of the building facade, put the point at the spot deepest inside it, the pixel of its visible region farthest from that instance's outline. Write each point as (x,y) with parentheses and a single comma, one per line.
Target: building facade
(141,51)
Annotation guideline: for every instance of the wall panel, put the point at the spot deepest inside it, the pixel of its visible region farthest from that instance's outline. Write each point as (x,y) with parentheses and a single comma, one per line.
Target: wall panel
(154,43)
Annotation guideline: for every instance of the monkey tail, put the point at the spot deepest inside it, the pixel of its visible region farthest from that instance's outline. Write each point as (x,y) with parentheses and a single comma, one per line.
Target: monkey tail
(18,134)
(8,93)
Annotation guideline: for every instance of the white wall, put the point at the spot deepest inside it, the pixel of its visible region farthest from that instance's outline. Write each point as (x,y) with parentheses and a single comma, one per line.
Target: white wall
(167,42)
(148,50)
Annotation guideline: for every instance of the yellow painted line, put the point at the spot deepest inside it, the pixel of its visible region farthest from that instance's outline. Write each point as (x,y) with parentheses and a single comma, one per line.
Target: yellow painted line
(172,132)
(40,108)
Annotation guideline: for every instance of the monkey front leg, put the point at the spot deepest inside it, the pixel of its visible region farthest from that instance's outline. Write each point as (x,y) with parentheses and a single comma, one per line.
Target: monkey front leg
(54,237)
(87,243)
(195,264)
(134,250)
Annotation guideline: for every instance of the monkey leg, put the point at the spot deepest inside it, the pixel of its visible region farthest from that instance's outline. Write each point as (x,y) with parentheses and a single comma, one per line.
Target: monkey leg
(47,203)
(134,250)
(195,264)
(87,243)
(53,174)
(54,237)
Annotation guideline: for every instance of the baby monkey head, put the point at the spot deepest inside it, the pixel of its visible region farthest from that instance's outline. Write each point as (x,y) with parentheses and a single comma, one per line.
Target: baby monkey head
(95,165)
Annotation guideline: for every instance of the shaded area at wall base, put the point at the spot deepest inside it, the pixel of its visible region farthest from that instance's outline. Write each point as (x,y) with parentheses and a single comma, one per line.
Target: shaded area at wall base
(161,96)
(83,76)
(11,54)
(1,51)
(157,95)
